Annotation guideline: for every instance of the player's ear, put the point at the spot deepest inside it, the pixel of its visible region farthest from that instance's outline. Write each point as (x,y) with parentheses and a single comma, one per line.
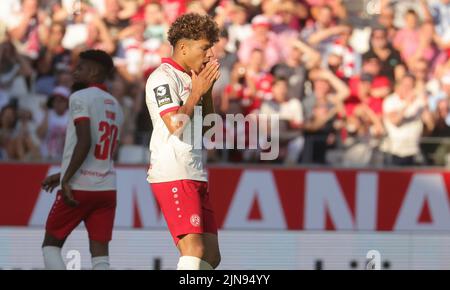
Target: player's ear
(182,46)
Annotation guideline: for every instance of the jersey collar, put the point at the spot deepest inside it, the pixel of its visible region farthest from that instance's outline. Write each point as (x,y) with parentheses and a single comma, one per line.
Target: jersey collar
(100,86)
(174,64)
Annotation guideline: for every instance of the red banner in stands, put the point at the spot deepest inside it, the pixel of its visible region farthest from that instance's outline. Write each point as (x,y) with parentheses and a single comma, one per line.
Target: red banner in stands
(262,198)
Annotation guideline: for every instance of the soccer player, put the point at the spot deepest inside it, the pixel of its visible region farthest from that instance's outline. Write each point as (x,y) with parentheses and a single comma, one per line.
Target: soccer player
(176,174)
(87,178)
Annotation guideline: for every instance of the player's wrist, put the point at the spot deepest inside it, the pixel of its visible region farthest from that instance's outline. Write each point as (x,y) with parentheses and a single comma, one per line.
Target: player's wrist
(196,96)
(64,181)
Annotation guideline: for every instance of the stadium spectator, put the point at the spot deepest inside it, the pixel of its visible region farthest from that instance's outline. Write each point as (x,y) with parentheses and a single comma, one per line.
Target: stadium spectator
(15,71)
(323,32)
(300,59)
(25,143)
(391,64)
(53,57)
(263,39)
(226,61)
(41,40)
(88,30)
(434,152)
(115,22)
(129,108)
(324,105)
(290,114)
(27,28)
(439,12)
(404,115)
(341,57)
(238,28)
(52,130)
(386,19)
(8,121)
(414,41)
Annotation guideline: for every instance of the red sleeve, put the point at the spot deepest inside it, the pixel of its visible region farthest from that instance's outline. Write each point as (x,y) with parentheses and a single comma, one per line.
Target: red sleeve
(80,119)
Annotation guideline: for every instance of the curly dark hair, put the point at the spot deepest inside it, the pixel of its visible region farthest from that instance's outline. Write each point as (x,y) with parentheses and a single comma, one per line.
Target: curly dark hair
(193,26)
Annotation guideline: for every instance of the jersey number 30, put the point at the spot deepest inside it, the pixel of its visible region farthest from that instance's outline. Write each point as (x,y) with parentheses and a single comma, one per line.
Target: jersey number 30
(107,142)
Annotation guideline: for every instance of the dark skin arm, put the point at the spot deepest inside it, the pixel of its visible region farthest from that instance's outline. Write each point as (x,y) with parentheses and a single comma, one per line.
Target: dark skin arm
(207,106)
(51,182)
(80,152)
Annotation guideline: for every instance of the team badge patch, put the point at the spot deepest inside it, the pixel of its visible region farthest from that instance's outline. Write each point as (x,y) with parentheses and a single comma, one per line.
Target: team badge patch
(162,94)
(195,220)
(76,107)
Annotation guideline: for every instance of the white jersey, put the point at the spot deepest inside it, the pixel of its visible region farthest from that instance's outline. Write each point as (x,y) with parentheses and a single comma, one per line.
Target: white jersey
(168,87)
(105,116)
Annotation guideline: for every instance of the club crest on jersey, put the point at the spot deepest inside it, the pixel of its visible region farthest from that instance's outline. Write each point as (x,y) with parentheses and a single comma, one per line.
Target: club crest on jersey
(163,96)
(195,220)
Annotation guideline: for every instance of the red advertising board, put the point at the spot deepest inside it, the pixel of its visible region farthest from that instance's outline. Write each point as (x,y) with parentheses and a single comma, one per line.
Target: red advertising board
(263,198)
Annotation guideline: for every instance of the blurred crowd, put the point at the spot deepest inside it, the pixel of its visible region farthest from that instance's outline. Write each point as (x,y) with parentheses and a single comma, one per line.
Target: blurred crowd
(349,88)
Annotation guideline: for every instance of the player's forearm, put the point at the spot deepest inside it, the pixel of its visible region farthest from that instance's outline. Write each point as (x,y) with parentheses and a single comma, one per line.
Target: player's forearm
(176,121)
(207,103)
(207,107)
(80,153)
(188,107)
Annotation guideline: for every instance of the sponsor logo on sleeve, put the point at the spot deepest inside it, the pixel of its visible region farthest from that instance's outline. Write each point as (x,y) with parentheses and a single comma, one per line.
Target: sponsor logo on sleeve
(162,94)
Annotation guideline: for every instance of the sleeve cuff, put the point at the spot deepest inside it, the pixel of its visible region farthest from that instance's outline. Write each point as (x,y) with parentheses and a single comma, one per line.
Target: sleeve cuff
(80,119)
(162,113)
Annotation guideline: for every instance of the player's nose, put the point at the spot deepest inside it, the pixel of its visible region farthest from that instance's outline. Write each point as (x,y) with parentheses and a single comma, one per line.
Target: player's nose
(210,53)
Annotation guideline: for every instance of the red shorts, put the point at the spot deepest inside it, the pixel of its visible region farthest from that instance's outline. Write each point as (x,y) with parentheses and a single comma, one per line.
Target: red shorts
(186,207)
(96,208)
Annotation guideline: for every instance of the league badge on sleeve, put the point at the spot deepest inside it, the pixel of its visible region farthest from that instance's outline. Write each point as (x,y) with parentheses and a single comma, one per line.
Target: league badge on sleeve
(162,94)
(77,107)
